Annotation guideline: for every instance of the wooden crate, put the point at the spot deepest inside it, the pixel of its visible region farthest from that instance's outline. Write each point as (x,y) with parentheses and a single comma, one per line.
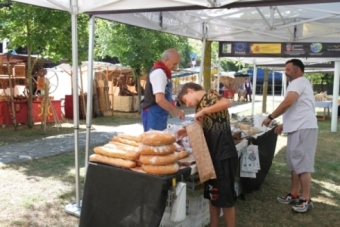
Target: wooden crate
(125,103)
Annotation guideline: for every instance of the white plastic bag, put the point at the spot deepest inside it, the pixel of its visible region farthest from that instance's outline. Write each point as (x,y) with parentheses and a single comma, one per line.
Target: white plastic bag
(178,211)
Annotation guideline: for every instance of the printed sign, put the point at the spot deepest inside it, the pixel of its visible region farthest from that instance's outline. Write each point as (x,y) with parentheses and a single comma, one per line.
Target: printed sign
(288,49)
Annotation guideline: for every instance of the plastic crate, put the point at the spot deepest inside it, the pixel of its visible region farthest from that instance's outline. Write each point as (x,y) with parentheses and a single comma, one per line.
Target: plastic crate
(199,220)
(166,222)
(197,204)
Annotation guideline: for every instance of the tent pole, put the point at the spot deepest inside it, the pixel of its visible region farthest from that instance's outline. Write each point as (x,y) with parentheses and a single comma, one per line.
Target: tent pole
(89,90)
(273,88)
(204,32)
(202,63)
(254,88)
(284,81)
(218,75)
(74,209)
(334,120)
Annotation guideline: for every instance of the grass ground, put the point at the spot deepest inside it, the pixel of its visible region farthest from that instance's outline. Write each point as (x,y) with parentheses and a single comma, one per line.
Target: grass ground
(35,193)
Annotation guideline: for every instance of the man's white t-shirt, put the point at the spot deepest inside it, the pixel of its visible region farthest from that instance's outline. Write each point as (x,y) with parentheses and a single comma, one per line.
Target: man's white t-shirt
(300,115)
(158,80)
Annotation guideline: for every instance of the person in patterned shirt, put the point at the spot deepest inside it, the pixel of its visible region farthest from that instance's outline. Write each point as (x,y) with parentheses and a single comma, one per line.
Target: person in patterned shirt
(212,113)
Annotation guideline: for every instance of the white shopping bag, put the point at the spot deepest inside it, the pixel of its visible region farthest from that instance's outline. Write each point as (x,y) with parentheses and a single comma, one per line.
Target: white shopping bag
(178,211)
(253,164)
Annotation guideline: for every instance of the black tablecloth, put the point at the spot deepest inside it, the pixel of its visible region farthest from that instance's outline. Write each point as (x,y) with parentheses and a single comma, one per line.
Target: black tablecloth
(116,197)
(266,144)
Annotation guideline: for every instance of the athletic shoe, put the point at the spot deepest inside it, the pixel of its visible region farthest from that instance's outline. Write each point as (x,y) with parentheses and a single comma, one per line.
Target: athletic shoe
(288,199)
(303,206)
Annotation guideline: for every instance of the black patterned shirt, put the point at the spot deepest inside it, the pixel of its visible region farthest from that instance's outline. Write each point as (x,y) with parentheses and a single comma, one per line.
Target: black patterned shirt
(216,128)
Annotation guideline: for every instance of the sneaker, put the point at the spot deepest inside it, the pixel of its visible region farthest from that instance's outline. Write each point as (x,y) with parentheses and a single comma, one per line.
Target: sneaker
(288,199)
(303,206)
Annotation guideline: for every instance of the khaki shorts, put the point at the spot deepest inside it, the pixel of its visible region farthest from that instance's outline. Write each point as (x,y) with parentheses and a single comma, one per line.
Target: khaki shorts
(301,147)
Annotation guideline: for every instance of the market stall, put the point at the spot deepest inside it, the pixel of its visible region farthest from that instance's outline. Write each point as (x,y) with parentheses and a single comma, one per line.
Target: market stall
(138,198)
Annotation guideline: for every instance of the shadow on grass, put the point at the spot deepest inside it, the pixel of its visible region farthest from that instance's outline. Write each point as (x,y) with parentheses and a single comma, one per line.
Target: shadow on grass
(260,209)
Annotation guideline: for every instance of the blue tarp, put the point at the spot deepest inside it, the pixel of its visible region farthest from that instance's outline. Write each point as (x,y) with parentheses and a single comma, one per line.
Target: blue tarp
(260,76)
(183,74)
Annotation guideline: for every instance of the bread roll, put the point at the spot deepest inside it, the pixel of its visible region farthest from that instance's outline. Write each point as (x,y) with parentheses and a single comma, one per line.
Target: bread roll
(157,138)
(129,137)
(243,126)
(161,170)
(182,154)
(125,141)
(124,147)
(156,150)
(158,160)
(109,151)
(112,161)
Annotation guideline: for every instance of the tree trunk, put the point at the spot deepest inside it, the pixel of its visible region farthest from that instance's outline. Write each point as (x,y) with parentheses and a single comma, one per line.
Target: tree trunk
(207,66)
(265,90)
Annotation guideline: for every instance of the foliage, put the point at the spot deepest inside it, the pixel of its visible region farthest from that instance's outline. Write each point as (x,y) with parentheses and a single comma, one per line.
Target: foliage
(136,47)
(42,31)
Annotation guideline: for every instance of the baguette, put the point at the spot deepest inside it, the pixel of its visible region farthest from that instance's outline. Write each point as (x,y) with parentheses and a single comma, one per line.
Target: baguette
(158,160)
(124,147)
(157,138)
(129,137)
(116,153)
(156,150)
(125,141)
(112,161)
(161,170)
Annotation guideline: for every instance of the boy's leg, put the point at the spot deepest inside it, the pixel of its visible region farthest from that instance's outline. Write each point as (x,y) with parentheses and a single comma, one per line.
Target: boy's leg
(229,216)
(214,215)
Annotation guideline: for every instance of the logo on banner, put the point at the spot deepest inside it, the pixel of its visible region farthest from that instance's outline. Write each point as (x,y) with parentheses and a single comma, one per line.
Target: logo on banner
(226,48)
(288,47)
(240,48)
(316,47)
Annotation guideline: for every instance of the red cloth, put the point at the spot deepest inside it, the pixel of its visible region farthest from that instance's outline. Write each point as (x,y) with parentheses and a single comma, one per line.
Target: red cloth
(161,65)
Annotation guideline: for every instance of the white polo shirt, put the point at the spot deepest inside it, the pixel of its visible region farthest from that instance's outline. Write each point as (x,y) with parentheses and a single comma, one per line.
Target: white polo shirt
(300,115)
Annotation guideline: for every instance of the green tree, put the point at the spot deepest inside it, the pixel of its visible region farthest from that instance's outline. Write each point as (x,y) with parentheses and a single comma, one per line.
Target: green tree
(44,32)
(136,47)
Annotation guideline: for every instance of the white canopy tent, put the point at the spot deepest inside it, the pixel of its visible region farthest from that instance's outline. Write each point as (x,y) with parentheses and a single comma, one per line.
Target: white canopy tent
(218,20)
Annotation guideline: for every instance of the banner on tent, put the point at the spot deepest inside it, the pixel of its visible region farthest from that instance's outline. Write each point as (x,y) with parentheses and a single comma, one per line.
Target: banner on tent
(259,49)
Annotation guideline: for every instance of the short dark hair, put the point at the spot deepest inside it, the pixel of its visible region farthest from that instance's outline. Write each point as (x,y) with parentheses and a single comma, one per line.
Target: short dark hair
(184,90)
(298,63)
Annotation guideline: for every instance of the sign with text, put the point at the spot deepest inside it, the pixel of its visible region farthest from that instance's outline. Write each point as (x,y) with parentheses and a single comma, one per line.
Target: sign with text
(289,50)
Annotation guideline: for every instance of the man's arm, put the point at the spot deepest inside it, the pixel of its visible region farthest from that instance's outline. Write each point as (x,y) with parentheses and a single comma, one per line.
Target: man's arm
(290,99)
(165,104)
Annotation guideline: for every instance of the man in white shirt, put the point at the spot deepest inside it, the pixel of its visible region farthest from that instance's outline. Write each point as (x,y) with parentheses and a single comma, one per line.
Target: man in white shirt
(300,124)
(158,93)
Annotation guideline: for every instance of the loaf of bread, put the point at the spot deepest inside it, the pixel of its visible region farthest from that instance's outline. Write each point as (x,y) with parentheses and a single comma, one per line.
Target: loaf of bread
(124,147)
(156,150)
(125,141)
(112,161)
(243,126)
(182,154)
(157,138)
(158,160)
(111,151)
(129,137)
(161,170)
